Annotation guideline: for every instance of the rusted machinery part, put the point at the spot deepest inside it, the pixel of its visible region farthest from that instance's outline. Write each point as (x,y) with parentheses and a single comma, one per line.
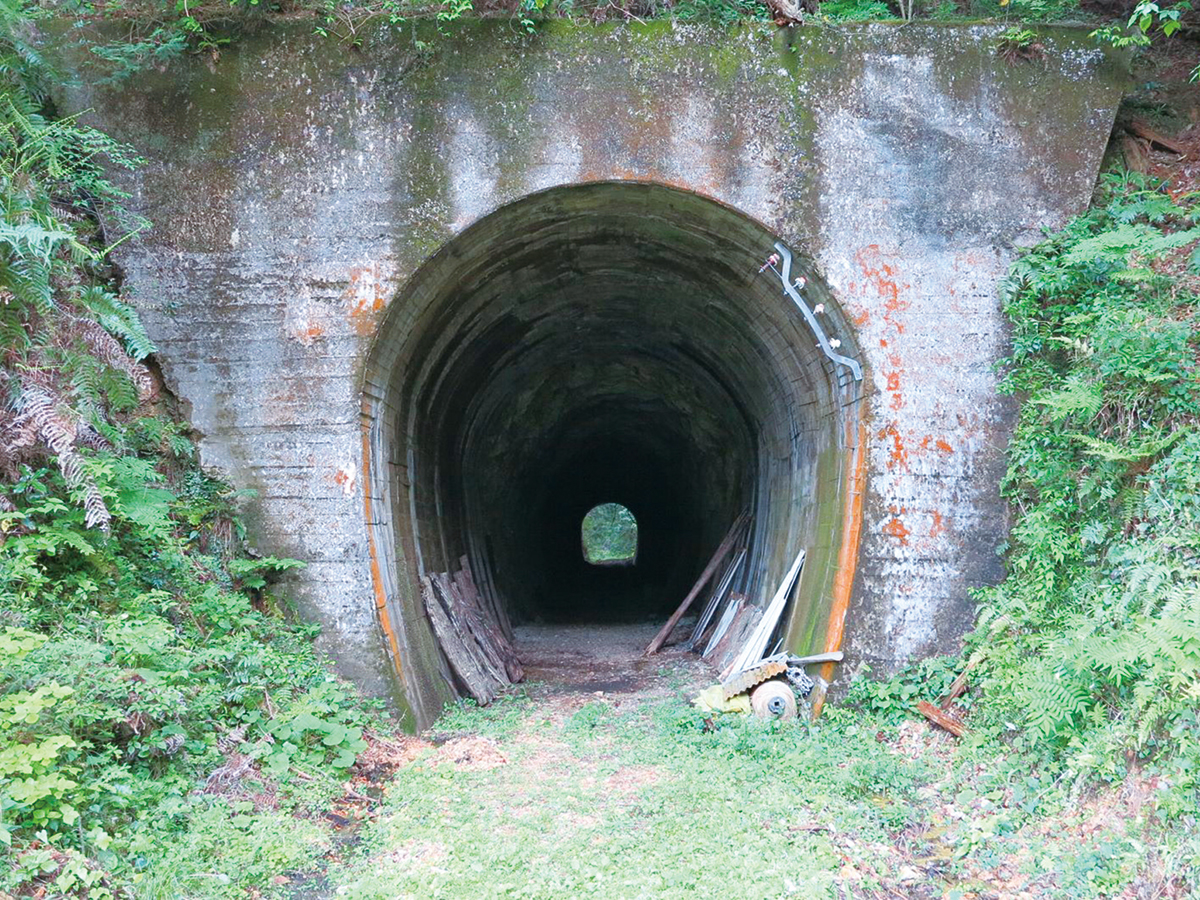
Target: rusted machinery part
(773,700)
(776,665)
(743,681)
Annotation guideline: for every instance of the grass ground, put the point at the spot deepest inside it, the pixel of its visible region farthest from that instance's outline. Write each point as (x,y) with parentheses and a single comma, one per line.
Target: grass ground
(600,780)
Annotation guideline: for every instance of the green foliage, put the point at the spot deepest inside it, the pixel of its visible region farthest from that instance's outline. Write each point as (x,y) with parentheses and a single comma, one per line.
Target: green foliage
(33,780)
(609,534)
(140,658)
(126,660)
(855,10)
(254,573)
(1147,19)
(1093,640)
(895,698)
(321,729)
(719,12)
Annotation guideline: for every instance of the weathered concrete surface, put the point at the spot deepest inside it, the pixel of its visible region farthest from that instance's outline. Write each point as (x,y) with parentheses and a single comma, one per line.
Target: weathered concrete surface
(296,185)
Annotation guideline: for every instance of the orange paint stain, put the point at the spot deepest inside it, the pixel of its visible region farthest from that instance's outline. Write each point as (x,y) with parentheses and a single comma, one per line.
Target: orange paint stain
(882,274)
(381,604)
(944,447)
(895,528)
(938,526)
(898,455)
(308,334)
(843,581)
(893,381)
(365,298)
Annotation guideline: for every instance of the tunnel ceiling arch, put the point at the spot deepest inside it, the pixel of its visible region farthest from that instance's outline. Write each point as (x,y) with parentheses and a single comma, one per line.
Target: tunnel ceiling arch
(609,342)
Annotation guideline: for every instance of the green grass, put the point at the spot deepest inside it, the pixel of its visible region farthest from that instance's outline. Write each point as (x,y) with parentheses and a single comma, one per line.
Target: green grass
(639,799)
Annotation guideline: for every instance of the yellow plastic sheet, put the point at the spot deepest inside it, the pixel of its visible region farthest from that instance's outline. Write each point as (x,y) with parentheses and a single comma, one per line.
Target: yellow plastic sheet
(712,699)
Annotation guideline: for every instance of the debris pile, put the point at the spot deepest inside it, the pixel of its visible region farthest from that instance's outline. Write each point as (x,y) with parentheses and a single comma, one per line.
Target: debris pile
(473,630)
(734,635)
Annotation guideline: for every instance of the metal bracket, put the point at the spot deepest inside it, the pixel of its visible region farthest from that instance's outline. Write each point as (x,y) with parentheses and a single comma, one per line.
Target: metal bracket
(790,288)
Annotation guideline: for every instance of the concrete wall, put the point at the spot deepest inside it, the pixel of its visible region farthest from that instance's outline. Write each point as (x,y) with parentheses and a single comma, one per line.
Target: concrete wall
(296,184)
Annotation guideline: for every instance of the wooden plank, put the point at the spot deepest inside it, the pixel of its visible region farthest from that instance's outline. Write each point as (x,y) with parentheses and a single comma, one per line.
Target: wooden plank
(960,683)
(739,633)
(468,611)
(489,596)
(469,625)
(487,632)
(460,616)
(495,631)
(941,718)
(725,546)
(1133,150)
(719,646)
(461,660)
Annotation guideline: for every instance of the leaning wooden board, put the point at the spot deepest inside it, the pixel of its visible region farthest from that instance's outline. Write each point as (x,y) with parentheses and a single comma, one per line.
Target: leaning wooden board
(461,658)
(491,621)
(472,632)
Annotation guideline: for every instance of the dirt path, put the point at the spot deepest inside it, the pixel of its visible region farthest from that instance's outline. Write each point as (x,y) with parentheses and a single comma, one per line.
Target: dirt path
(584,659)
(597,778)
(586,782)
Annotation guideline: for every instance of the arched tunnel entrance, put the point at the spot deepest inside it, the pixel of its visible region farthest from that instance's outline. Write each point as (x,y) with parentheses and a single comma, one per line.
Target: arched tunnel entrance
(606,343)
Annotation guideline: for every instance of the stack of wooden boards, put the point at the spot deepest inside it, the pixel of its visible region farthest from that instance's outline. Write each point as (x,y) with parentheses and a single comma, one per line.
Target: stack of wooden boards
(473,631)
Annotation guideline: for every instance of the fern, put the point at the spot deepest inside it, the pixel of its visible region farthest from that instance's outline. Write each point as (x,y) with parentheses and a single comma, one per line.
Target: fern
(58,432)
(120,319)
(1103,584)
(73,356)
(1154,207)
(1127,452)
(1079,396)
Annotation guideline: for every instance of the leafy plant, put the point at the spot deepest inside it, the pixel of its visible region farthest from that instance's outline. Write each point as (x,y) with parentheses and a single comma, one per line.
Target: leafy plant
(1147,19)
(1016,44)
(896,698)
(254,573)
(1101,655)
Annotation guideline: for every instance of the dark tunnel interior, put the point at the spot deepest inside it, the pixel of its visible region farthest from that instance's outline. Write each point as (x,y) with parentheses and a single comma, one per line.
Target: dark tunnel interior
(605,343)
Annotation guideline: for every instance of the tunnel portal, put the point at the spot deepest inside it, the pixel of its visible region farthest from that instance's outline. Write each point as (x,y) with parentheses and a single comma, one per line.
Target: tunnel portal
(607,343)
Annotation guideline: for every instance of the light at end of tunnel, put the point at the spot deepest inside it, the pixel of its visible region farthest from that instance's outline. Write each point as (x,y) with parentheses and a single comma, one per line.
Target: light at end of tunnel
(609,534)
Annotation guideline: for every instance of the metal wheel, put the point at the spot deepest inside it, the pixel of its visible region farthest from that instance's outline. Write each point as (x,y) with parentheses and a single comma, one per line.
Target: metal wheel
(773,700)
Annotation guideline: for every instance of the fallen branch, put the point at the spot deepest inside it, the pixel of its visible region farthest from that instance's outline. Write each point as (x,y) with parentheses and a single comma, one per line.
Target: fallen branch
(960,683)
(941,719)
(1142,130)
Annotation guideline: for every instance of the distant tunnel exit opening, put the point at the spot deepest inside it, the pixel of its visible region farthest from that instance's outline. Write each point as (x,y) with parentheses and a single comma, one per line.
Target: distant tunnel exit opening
(595,345)
(608,536)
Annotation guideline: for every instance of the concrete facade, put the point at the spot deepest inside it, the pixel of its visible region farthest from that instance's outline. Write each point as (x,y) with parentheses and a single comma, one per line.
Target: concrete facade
(297,188)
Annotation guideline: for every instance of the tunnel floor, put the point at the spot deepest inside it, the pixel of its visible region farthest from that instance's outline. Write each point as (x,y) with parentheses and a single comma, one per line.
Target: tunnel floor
(596,658)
